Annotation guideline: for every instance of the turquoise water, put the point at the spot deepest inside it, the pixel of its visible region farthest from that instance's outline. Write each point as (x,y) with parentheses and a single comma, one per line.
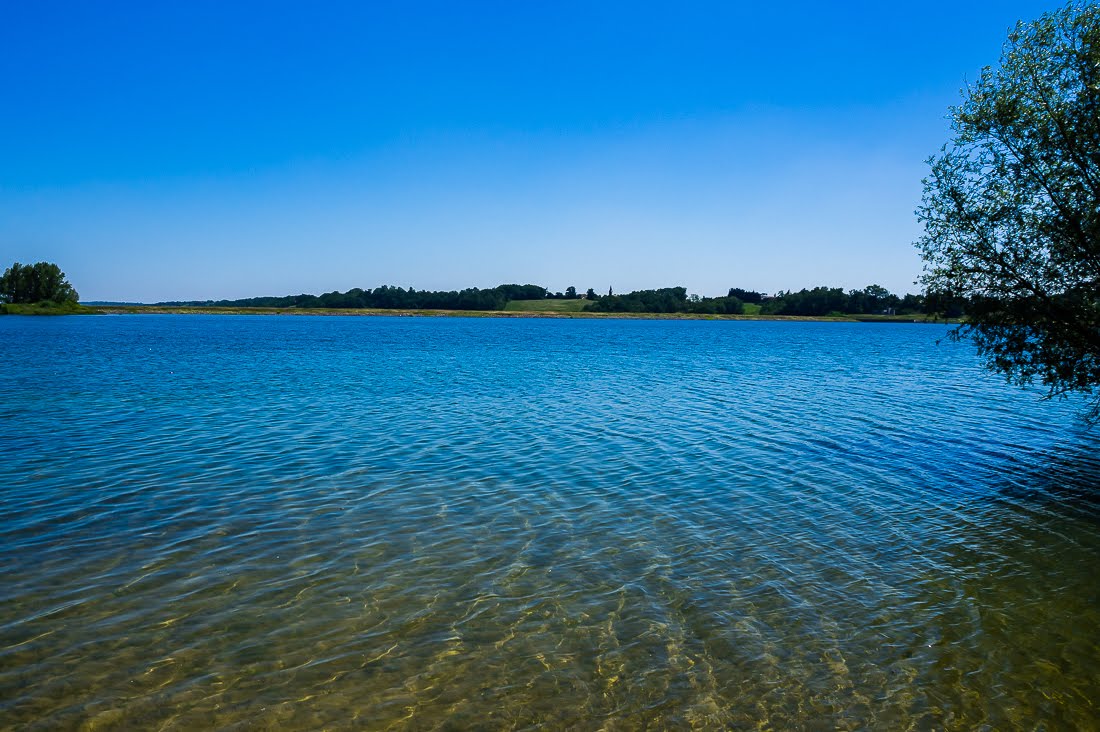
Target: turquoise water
(438,523)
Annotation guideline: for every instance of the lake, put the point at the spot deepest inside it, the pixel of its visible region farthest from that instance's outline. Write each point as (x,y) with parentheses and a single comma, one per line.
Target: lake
(252,522)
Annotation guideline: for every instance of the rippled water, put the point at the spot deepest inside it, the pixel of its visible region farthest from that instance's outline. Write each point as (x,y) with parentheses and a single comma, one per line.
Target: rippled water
(305,523)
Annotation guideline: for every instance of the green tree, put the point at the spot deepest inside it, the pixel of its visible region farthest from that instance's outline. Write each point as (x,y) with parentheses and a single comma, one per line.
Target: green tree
(29,283)
(745,295)
(818,301)
(1011,209)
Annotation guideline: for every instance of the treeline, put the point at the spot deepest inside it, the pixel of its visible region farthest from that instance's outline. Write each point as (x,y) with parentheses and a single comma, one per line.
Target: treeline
(397,298)
(828,300)
(667,300)
(872,299)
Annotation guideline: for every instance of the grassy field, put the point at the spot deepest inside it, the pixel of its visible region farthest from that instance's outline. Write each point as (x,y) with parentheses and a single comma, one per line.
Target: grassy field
(546,306)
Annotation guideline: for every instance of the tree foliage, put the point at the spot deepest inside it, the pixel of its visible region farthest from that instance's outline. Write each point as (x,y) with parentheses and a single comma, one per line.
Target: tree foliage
(750,296)
(818,301)
(387,297)
(873,299)
(666,300)
(30,283)
(1011,210)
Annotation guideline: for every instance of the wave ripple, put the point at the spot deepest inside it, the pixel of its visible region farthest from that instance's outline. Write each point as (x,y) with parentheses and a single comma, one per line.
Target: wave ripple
(391,523)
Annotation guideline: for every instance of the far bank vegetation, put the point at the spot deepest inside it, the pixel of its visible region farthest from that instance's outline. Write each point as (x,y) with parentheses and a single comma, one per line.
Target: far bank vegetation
(819,301)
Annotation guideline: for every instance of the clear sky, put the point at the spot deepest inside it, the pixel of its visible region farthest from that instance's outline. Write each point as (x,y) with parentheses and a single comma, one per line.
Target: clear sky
(212,149)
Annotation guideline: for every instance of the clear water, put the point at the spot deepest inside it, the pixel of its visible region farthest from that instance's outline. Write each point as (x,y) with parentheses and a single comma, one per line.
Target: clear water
(403,523)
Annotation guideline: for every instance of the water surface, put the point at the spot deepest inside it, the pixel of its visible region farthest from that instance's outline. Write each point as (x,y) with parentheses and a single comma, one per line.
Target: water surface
(412,523)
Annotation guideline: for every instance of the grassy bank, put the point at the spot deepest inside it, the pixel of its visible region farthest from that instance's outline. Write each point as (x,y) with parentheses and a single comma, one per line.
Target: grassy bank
(46,308)
(544,313)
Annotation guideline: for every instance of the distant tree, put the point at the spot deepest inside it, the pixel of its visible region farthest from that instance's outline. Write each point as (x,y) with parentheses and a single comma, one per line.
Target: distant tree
(522,292)
(911,304)
(664,300)
(590,295)
(944,305)
(878,298)
(28,283)
(871,299)
(571,293)
(728,305)
(667,300)
(745,295)
(818,301)
(1011,209)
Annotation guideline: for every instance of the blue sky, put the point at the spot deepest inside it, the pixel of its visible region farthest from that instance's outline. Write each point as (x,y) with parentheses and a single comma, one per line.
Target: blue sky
(195,150)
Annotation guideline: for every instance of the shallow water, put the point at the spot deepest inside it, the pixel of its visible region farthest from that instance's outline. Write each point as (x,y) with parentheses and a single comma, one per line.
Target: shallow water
(304,523)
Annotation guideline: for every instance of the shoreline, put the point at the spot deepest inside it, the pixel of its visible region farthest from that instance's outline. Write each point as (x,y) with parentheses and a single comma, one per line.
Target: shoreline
(375,312)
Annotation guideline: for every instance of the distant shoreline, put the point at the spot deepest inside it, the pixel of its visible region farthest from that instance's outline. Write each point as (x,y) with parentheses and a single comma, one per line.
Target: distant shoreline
(366,312)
